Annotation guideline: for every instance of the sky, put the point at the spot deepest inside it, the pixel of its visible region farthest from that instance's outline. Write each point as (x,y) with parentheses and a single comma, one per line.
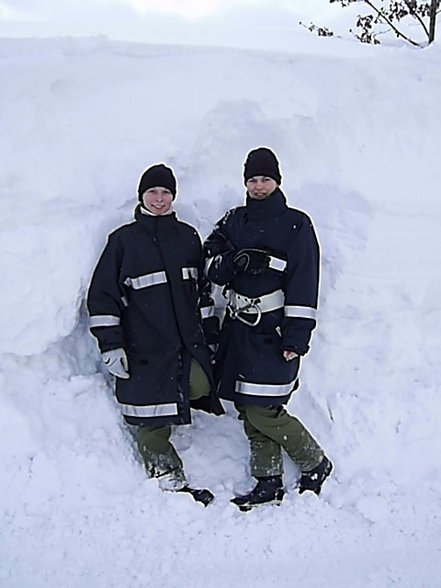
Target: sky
(222,22)
(189,9)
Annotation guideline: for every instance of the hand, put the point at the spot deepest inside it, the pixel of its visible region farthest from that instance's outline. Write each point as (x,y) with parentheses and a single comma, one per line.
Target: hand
(116,363)
(289,355)
(252,261)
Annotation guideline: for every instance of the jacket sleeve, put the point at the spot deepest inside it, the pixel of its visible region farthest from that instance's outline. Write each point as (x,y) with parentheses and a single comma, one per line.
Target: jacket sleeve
(218,253)
(302,288)
(105,299)
(210,322)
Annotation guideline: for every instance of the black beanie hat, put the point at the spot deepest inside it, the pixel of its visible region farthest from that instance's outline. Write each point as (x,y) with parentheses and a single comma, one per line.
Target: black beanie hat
(157,175)
(261,162)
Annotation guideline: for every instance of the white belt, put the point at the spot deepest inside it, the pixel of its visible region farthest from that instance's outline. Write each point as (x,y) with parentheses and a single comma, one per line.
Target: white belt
(240,304)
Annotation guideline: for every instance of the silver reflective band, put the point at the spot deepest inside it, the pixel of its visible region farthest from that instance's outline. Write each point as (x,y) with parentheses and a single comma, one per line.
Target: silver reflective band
(301,312)
(207,311)
(104,320)
(207,266)
(151,410)
(124,301)
(189,272)
(263,389)
(265,303)
(152,279)
(277,264)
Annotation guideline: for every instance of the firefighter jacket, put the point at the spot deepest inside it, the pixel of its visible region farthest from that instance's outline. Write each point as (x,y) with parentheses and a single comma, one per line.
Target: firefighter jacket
(146,297)
(250,366)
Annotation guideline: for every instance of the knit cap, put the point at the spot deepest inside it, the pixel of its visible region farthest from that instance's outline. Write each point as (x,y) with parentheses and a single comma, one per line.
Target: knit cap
(157,175)
(262,162)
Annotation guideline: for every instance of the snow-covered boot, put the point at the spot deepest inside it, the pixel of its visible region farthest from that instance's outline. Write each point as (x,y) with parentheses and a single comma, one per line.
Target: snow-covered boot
(203,495)
(314,479)
(268,490)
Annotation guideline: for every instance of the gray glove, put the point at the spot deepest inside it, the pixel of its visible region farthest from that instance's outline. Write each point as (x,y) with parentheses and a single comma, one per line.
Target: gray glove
(116,363)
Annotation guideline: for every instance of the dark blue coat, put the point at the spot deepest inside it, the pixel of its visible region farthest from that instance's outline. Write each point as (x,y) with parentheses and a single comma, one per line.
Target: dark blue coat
(145,296)
(249,364)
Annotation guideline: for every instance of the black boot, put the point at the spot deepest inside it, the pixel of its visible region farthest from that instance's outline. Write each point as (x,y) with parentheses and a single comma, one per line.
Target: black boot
(314,479)
(268,490)
(204,495)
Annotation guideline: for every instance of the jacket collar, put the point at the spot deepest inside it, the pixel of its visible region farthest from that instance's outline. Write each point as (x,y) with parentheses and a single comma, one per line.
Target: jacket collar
(271,206)
(148,219)
(148,213)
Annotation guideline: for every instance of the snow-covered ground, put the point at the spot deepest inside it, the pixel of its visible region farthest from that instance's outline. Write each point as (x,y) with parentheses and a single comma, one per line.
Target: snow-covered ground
(358,132)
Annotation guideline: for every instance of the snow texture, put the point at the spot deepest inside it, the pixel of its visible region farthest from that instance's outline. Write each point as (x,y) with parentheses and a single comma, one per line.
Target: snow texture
(358,133)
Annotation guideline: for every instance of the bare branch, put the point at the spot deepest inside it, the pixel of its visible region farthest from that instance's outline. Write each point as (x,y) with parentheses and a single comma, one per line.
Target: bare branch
(390,13)
(416,16)
(321,31)
(391,24)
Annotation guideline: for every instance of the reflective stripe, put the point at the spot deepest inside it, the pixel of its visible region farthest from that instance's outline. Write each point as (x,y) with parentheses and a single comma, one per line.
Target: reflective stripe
(104,320)
(207,311)
(189,272)
(265,303)
(124,301)
(151,410)
(301,311)
(263,389)
(207,266)
(152,279)
(277,264)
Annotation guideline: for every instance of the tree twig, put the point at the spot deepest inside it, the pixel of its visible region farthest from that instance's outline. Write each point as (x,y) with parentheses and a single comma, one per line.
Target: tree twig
(391,24)
(417,16)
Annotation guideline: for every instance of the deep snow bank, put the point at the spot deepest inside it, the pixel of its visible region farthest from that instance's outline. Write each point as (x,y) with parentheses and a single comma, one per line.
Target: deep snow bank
(358,141)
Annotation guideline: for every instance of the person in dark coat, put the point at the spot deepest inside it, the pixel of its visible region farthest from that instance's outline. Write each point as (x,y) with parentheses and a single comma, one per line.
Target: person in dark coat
(266,255)
(147,302)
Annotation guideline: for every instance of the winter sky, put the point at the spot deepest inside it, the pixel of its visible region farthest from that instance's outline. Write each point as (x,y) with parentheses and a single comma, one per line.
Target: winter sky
(222,22)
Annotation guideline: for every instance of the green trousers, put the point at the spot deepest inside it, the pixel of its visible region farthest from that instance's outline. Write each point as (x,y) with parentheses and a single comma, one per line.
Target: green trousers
(269,430)
(160,457)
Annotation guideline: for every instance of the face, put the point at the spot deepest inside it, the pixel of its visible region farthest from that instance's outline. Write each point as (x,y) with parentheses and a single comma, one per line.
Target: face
(157,200)
(260,187)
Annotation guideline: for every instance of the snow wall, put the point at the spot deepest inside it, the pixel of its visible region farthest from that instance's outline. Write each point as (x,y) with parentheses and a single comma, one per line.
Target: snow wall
(357,131)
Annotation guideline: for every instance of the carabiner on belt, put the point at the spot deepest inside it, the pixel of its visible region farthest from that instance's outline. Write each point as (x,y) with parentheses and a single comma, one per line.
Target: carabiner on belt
(252,307)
